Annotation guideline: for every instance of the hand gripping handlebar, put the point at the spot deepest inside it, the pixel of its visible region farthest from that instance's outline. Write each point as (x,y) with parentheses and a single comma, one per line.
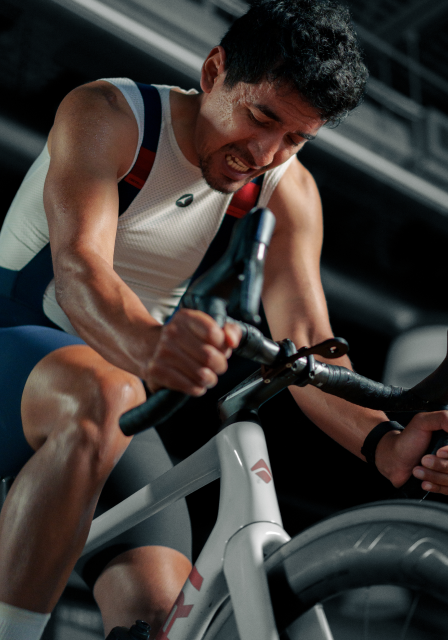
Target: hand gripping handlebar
(231,287)
(431,394)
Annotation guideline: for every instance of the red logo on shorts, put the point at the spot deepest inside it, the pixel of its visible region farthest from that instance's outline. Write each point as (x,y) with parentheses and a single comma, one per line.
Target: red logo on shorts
(262,470)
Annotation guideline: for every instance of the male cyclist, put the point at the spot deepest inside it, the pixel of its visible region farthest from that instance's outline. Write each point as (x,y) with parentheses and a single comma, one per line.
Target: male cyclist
(78,358)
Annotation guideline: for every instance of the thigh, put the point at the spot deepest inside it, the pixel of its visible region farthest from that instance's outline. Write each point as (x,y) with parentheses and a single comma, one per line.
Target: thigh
(21,349)
(144,460)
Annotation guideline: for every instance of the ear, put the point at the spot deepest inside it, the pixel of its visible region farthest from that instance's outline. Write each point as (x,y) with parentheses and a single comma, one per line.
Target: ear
(213,67)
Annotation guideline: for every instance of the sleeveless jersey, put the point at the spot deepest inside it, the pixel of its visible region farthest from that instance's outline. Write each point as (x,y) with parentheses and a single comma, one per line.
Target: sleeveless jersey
(162,236)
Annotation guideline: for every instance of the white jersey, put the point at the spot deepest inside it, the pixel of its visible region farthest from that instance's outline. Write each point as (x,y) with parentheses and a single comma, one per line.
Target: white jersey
(158,244)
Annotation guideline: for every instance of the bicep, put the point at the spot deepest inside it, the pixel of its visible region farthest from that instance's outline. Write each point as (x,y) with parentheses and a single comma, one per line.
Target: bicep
(92,139)
(293,297)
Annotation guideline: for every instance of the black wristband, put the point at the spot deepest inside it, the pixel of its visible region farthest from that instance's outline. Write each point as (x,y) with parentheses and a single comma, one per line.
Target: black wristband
(371,442)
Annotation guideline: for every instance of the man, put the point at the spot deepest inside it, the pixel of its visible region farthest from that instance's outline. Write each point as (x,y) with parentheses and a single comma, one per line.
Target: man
(282,72)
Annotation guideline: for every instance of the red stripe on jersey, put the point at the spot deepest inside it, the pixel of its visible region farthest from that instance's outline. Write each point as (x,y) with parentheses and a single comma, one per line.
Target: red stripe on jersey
(244,200)
(141,169)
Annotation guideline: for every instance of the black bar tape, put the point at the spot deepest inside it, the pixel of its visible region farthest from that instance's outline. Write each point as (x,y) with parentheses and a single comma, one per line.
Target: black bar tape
(158,408)
(255,345)
(355,388)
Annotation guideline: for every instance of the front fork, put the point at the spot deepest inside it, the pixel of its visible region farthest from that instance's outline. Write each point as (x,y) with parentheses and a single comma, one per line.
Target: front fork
(245,573)
(246,578)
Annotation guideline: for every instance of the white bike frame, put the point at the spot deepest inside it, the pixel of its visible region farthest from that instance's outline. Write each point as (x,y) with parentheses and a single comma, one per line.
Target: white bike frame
(248,528)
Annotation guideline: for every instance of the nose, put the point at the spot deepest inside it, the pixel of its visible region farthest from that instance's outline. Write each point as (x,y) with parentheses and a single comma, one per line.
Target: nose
(263,149)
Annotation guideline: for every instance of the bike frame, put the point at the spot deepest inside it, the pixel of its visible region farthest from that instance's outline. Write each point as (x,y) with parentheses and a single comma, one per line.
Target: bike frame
(248,527)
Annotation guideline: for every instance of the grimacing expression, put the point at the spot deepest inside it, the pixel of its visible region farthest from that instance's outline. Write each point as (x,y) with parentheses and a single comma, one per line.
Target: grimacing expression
(244,131)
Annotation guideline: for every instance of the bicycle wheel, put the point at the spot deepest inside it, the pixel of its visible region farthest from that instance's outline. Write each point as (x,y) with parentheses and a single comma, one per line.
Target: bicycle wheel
(401,544)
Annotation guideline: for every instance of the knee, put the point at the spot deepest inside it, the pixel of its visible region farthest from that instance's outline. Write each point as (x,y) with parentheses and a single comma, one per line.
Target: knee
(75,398)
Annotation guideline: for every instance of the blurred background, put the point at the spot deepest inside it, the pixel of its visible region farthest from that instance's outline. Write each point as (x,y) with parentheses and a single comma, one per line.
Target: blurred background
(382,175)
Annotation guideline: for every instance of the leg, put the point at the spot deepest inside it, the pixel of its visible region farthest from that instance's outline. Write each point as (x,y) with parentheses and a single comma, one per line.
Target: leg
(141,584)
(139,573)
(70,409)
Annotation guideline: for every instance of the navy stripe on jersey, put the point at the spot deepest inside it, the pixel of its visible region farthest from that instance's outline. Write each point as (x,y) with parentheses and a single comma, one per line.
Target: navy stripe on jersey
(131,184)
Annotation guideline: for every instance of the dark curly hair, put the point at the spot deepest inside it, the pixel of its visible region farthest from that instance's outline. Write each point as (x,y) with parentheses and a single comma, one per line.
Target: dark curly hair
(309,44)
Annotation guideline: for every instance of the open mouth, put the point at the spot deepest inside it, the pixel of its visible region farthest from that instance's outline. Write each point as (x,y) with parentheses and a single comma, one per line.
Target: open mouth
(236,164)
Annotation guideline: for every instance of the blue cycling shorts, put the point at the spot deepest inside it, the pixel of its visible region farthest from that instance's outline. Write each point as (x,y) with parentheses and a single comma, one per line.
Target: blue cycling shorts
(21,348)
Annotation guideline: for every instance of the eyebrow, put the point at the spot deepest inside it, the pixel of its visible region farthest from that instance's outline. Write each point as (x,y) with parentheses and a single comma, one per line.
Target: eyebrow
(267,111)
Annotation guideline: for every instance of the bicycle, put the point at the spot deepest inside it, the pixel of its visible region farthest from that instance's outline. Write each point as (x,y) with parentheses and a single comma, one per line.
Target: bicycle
(251,581)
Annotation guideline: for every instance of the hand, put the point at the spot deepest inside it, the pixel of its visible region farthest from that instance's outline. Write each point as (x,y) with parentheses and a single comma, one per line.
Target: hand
(191,352)
(400,455)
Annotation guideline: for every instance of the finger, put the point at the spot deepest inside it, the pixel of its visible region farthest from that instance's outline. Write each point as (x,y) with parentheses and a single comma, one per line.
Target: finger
(189,352)
(163,375)
(201,326)
(442,452)
(233,335)
(426,485)
(433,421)
(434,477)
(435,463)
(434,488)
(201,366)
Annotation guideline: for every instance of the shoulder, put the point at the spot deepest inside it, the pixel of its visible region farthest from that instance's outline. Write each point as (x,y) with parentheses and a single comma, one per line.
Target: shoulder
(98,95)
(296,201)
(96,114)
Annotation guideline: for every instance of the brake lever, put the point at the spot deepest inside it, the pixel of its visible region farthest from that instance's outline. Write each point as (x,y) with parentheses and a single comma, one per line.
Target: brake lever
(331,348)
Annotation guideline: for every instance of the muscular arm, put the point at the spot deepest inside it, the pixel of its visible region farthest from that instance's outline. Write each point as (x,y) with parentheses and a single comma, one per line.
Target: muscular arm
(92,144)
(295,308)
(295,303)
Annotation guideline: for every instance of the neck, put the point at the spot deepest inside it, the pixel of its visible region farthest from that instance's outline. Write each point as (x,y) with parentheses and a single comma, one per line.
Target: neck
(184,113)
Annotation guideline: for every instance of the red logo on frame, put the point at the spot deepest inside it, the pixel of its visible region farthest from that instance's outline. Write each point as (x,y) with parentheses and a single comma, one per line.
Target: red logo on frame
(262,470)
(196,579)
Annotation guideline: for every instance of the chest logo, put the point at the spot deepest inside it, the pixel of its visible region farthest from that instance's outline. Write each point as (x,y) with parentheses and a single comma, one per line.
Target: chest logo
(185,200)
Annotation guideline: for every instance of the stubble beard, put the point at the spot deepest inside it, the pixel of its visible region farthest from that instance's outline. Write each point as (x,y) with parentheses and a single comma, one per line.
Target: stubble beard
(207,173)
(205,165)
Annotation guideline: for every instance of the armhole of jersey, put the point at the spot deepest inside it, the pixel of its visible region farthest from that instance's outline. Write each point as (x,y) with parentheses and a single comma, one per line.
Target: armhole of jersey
(271,180)
(133,97)
(134,180)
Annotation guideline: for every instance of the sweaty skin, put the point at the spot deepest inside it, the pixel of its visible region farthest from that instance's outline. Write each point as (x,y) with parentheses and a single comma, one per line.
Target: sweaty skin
(74,396)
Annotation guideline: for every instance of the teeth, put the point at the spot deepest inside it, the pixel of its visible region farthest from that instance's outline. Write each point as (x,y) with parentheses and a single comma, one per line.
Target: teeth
(236,164)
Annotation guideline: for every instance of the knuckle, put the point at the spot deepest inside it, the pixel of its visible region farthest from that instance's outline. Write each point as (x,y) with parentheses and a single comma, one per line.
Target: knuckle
(208,356)
(212,333)
(169,332)
(223,366)
(205,377)
(164,351)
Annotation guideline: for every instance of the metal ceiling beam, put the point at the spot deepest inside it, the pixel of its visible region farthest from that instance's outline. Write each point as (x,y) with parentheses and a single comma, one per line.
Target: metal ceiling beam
(415,16)
(415,67)
(335,143)
(137,34)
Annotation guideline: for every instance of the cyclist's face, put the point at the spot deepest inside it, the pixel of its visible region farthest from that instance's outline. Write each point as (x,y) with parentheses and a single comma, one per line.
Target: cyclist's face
(244,131)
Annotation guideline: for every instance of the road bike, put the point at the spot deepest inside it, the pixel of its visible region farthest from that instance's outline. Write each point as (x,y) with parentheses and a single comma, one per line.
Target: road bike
(251,581)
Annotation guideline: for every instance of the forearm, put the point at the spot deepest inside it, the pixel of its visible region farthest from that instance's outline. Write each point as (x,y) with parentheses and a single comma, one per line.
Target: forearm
(343,421)
(106,313)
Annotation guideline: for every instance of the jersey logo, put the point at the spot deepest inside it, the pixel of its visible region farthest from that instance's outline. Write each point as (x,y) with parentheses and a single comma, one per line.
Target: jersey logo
(185,200)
